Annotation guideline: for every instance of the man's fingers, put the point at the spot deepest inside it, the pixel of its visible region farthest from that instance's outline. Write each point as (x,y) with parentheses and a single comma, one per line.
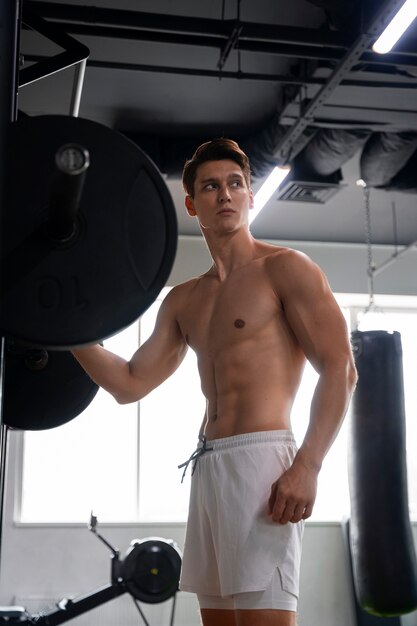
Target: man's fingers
(286,515)
(308,511)
(284,512)
(277,504)
(298,514)
(272,497)
(288,503)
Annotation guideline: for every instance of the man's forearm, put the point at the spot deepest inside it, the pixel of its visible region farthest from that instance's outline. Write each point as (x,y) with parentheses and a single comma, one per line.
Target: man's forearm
(329,405)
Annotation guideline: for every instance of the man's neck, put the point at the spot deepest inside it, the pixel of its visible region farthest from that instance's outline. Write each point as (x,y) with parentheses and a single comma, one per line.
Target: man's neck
(230,250)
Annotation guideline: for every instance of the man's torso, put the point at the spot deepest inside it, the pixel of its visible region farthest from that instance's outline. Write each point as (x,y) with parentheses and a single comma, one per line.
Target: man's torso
(249,360)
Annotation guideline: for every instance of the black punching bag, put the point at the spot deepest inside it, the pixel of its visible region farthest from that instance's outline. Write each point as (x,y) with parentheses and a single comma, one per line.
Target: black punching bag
(383,557)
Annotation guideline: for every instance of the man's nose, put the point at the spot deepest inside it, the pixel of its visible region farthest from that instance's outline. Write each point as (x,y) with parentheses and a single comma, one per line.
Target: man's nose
(224,193)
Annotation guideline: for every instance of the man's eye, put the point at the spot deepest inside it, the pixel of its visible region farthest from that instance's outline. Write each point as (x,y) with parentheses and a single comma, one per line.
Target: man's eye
(236,183)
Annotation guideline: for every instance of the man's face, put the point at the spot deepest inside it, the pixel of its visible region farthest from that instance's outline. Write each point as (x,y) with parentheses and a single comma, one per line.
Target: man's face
(222,199)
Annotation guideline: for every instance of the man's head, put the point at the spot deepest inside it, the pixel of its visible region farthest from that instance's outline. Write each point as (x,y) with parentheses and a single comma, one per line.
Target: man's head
(215,150)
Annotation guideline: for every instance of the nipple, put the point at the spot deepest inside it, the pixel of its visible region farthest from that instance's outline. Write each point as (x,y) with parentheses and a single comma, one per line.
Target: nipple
(239,323)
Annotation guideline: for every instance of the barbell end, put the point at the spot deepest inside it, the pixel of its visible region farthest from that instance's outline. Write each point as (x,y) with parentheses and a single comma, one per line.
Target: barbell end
(71,164)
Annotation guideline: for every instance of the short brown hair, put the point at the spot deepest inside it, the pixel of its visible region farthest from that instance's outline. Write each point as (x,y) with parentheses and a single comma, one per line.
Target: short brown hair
(215,150)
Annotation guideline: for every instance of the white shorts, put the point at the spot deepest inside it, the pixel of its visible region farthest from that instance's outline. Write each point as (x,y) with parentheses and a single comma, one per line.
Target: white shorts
(232,546)
(274,597)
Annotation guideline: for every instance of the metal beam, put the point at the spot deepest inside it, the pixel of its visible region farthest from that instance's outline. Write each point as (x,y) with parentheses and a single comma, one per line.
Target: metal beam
(239,75)
(164,28)
(9,66)
(188,71)
(286,49)
(75,54)
(284,41)
(181,24)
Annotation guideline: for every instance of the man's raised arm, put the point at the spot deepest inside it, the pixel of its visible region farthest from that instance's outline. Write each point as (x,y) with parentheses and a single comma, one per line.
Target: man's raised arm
(131,380)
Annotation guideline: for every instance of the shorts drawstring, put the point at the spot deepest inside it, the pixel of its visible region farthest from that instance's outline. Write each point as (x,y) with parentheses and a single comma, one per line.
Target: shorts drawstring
(199,451)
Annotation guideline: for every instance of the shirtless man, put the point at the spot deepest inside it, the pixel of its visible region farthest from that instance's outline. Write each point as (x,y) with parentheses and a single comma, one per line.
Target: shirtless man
(253,319)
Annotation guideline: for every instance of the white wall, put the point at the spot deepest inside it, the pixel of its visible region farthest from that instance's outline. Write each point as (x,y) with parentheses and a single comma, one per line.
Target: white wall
(42,564)
(344,264)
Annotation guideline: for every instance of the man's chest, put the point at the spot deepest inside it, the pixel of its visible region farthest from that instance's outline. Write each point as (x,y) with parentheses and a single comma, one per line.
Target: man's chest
(222,314)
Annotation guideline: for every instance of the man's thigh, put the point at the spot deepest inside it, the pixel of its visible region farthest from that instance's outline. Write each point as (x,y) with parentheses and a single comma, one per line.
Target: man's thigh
(218,617)
(265,617)
(248,617)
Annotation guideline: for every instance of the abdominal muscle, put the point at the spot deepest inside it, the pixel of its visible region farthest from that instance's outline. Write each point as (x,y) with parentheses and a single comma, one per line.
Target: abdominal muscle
(248,395)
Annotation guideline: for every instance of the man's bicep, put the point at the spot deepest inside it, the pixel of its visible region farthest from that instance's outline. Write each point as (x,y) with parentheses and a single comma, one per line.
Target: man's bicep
(315,317)
(162,352)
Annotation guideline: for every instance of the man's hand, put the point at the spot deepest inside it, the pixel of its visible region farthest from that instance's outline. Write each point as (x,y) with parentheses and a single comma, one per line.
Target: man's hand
(293,494)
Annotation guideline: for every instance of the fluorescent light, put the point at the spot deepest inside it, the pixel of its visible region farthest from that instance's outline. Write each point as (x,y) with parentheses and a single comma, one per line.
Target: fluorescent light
(270,185)
(398,25)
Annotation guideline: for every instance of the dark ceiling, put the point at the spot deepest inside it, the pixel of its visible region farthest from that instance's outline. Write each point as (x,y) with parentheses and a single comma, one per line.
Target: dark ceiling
(294,82)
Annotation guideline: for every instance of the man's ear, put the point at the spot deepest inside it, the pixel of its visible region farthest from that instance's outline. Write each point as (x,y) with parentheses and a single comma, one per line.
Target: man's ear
(189,204)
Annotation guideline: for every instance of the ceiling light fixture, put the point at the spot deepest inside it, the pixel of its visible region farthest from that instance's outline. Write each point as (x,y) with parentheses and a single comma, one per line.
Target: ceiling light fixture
(271,184)
(397,27)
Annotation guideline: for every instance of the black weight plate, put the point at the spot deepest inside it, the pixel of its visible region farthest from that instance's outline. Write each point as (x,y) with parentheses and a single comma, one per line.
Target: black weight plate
(61,296)
(44,398)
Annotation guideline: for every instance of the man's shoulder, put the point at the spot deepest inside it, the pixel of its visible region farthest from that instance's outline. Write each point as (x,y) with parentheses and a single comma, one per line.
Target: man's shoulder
(291,269)
(186,286)
(179,292)
(279,255)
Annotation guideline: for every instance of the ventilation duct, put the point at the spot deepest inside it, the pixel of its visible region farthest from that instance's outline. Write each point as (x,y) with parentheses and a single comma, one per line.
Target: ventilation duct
(331,148)
(261,147)
(385,155)
(388,160)
(406,179)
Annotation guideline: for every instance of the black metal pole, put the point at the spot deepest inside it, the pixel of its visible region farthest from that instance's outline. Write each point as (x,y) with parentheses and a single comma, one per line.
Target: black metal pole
(9,68)
(68,609)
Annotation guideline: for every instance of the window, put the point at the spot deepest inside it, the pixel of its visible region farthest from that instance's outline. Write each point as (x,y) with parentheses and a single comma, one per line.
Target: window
(108,461)
(88,464)
(125,468)
(170,419)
